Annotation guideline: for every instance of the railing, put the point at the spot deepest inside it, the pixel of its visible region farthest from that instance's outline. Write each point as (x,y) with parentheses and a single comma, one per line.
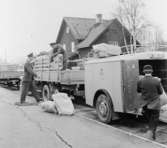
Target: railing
(129,49)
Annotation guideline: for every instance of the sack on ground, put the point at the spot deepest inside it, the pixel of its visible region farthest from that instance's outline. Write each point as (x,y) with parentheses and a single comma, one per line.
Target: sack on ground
(163,98)
(63,103)
(48,106)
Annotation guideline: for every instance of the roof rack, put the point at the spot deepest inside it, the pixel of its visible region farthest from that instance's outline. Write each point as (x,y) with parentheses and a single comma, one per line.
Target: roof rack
(130,49)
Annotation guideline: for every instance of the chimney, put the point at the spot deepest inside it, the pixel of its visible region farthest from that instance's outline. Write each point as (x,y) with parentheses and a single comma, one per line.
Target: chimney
(99,18)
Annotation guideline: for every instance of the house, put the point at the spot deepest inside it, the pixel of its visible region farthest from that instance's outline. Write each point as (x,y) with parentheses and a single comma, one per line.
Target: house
(79,34)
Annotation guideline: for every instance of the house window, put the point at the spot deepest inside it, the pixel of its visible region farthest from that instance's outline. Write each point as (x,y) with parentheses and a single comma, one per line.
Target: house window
(73,46)
(67,30)
(64,46)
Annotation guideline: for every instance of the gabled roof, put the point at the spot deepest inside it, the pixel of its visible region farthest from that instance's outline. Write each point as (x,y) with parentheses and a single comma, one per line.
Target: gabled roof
(94,33)
(79,27)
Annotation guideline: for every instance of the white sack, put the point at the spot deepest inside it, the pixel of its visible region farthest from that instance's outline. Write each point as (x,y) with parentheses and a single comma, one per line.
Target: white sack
(63,104)
(163,98)
(106,50)
(49,106)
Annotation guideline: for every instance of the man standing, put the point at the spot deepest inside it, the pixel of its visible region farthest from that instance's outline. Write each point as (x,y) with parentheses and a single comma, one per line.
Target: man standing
(28,83)
(150,89)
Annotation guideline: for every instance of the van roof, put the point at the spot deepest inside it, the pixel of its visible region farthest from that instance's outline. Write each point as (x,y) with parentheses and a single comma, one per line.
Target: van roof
(151,55)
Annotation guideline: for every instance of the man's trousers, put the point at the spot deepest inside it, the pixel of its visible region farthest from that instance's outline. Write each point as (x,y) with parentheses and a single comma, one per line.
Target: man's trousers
(26,87)
(152,116)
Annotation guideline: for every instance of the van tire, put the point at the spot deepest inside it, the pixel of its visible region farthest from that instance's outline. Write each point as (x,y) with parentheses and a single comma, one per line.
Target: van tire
(104,108)
(46,92)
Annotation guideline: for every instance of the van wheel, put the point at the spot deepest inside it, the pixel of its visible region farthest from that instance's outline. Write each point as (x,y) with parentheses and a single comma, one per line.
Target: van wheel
(46,94)
(104,108)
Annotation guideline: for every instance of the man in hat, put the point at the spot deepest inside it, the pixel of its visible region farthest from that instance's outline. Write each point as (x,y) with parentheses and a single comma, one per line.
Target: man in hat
(28,83)
(150,88)
(56,50)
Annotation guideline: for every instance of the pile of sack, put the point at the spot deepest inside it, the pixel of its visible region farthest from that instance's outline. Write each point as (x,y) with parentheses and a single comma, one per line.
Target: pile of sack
(61,104)
(105,50)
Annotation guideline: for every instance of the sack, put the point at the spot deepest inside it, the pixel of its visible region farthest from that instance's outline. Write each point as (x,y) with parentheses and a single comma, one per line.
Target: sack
(63,104)
(163,98)
(163,113)
(106,50)
(49,106)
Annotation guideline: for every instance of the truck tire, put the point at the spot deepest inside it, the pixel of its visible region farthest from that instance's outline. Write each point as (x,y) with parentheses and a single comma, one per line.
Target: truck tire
(46,92)
(104,108)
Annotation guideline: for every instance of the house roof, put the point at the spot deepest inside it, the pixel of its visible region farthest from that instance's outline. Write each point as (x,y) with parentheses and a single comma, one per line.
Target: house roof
(94,33)
(85,29)
(79,26)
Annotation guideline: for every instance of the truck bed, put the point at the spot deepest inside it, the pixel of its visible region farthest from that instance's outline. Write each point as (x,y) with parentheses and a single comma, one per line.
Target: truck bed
(72,77)
(10,74)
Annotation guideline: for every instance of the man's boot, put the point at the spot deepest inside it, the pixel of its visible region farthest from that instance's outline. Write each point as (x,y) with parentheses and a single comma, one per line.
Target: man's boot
(154,135)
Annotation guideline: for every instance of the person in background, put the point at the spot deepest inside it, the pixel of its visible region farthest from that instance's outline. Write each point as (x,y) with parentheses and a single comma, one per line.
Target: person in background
(150,88)
(28,83)
(58,49)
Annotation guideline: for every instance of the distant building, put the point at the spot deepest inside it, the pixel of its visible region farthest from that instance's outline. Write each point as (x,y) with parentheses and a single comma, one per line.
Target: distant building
(80,34)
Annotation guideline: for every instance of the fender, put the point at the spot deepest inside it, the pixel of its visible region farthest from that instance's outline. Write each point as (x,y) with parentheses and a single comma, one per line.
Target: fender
(99,92)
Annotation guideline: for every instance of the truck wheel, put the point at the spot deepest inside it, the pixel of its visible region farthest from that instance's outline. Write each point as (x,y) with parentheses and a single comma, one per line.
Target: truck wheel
(46,94)
(104,108)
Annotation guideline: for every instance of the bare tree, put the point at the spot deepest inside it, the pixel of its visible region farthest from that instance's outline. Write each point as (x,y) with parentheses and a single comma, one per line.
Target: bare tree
(152,37)
(130,14)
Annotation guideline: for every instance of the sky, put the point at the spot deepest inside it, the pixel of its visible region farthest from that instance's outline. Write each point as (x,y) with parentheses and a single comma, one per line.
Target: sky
(30,25)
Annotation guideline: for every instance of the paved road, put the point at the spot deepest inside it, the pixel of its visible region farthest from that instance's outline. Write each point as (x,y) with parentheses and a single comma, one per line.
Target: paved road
(131,124)
(30,127)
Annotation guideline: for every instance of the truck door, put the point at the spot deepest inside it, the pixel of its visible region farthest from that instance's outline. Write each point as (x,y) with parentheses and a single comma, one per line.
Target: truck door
(130,72)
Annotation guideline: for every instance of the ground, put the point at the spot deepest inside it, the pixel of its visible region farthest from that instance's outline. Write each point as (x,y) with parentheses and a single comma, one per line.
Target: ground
(30,127)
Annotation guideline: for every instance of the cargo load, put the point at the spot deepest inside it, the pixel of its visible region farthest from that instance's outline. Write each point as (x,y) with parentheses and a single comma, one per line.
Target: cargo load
(106,50)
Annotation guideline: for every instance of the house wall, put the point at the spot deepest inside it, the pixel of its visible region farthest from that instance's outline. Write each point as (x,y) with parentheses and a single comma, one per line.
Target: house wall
(67,38)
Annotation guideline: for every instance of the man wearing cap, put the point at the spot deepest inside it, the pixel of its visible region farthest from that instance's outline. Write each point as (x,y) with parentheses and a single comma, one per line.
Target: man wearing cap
(150,88)
(58,49)
(28,80)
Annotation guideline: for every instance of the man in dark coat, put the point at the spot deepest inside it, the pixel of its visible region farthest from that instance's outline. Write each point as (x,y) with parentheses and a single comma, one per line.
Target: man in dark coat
(150,88)
(28,83)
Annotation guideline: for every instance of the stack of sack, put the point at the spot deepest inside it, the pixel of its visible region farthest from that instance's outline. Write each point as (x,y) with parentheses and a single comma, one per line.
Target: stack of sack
(49,106)
(105,50)
(61,104)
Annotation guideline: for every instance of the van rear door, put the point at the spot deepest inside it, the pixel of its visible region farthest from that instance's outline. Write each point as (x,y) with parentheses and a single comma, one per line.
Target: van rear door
(130,73)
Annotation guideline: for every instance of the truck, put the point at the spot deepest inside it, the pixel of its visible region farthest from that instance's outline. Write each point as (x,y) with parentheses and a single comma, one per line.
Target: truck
(108,84)
(11,74)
